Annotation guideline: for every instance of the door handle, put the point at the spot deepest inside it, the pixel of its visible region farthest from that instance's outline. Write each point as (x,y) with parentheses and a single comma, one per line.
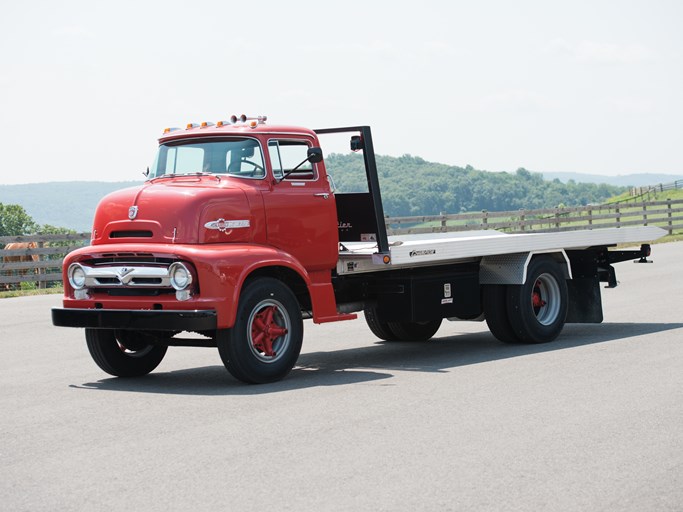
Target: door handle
(324,195)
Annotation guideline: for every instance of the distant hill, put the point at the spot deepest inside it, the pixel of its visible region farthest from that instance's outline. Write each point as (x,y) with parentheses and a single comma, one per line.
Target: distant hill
(627,180)
(67,204)
(410,186)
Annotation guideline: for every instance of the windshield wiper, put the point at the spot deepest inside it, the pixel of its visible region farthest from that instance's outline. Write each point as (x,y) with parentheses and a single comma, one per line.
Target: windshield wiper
(175,175)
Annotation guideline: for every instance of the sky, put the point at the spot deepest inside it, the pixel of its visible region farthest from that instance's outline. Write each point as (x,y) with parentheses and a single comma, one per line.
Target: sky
(86,87)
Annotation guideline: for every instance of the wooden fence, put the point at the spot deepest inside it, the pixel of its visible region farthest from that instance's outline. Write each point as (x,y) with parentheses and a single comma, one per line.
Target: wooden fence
(41,264)
(666,214)
(650,193)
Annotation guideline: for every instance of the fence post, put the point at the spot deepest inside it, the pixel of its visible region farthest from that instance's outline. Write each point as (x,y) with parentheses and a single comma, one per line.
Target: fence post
(644,214)
(618,217)
(557,218)
(41,284)
(590,217)
(668,206)
(443,221)
(522,218)
(484,219)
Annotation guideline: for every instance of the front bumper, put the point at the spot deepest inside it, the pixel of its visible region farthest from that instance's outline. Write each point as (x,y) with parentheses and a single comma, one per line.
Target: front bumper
(157,320)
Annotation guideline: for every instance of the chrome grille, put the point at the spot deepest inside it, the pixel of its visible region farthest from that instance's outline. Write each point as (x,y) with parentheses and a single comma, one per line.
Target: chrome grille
(127,276)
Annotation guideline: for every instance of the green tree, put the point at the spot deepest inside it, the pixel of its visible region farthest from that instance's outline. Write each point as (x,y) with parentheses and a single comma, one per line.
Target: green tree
(14,221)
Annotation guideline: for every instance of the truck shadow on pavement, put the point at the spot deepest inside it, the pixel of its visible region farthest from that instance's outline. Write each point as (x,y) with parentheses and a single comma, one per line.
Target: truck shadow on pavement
(375,362)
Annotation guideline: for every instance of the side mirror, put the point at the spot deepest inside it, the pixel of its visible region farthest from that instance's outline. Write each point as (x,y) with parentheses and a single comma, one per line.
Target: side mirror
(357,143)
(315,155)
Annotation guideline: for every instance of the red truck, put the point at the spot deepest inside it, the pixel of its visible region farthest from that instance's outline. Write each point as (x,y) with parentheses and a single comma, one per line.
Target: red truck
(238,235)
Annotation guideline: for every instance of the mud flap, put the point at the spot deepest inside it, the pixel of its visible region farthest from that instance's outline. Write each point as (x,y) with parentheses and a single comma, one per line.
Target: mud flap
(585,301)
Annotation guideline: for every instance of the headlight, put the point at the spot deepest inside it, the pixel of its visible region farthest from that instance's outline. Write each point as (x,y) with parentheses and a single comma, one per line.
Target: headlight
(76,275)
(180,276)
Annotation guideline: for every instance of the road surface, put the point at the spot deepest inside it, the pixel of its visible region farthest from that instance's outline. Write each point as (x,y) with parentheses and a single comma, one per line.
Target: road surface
(593,421)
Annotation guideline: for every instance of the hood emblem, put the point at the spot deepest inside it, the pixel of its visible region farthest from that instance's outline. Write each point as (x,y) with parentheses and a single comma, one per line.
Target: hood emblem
(132,212)
(225,226)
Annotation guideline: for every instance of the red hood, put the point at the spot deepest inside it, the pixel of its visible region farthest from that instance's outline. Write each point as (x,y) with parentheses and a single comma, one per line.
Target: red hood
(172,210)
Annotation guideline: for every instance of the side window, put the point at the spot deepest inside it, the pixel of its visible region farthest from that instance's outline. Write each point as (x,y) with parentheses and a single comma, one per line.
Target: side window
(274,152)
(285,155)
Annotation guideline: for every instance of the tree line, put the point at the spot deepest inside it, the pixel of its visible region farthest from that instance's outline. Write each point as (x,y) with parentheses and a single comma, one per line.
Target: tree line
(413,186)
(15,221)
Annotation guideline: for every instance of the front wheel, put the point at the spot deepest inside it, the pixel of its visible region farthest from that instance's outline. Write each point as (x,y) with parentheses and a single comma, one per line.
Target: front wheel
(265,341)
(124,353)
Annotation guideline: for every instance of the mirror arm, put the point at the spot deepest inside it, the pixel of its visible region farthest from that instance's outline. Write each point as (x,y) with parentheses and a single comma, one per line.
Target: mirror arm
(293,170)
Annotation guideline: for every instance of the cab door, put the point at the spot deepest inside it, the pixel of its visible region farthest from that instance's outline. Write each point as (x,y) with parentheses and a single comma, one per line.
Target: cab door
(301,215)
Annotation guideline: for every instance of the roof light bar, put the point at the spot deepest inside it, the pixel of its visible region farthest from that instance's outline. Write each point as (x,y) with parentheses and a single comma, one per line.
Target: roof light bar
(253,123)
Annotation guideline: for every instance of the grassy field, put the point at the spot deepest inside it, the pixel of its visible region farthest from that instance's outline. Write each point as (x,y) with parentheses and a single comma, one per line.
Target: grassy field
(26,293)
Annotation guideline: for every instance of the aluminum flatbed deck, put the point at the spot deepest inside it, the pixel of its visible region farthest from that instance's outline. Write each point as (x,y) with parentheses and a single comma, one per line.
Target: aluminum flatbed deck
(429,249)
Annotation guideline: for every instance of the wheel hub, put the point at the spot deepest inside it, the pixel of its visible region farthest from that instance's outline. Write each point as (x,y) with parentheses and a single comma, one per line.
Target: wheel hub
(265,331)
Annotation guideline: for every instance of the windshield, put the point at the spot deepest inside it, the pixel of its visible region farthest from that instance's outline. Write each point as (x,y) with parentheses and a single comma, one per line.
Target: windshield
(236,157)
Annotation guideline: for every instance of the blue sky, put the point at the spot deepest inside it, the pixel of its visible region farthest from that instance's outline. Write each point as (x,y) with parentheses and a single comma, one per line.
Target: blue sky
(86,87)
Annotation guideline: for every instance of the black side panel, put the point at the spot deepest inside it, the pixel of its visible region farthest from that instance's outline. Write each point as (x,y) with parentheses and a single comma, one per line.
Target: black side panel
(356,218)
(419,299)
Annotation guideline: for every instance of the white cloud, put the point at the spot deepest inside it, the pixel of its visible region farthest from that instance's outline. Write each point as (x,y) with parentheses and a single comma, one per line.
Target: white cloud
(601,52)
(72,31)
(631,105)
(518,100)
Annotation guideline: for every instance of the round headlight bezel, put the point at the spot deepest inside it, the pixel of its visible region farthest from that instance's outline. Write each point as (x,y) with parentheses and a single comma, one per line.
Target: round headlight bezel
(179,284)
(77,276)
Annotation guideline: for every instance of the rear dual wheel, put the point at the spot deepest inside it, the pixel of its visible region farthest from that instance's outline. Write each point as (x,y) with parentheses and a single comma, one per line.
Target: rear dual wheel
(534,312)
(400,331)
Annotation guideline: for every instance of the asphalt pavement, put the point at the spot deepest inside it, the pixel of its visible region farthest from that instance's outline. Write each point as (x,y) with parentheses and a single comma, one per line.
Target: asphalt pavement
(592,421)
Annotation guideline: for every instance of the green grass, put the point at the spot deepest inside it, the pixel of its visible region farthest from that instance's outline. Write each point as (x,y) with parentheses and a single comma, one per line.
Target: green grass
(654,196)
(27,293)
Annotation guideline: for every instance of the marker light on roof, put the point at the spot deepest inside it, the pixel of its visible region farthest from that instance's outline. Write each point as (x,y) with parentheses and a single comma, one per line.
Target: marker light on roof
(191,125)
(206,124)
(169,130)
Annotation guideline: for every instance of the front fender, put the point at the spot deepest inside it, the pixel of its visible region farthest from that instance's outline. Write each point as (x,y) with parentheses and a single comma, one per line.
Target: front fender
(221,270)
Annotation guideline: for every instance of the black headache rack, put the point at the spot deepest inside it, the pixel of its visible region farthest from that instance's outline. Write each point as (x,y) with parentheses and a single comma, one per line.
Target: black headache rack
(361,215)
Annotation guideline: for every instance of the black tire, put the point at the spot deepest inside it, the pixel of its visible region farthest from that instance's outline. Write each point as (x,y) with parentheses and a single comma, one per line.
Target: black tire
(537,310)
(496,313)
(249,350)
(378,327)
(415,331)
(124,353)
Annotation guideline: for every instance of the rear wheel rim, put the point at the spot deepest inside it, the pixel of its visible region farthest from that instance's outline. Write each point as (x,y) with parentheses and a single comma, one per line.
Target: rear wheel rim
(268,331)
(546,299)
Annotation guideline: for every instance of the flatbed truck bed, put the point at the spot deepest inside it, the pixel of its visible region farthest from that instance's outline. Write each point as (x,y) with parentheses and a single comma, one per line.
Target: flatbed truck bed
(419,250)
